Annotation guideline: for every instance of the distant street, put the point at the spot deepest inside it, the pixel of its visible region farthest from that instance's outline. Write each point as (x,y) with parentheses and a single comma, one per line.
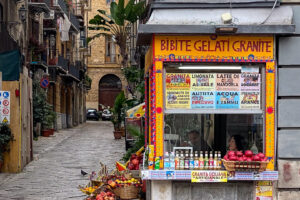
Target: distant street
(55,172)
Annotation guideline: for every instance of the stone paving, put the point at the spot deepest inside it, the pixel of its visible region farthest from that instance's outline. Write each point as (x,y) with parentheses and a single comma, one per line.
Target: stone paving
(58,160)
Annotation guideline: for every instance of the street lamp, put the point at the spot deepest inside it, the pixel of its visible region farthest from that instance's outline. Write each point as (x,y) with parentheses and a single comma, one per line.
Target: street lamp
(22,13)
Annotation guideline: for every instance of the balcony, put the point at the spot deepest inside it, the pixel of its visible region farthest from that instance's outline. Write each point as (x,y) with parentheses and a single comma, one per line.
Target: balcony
(60,6)
(75,23)
(7,42)
(38,59)
(59,61)
(112,58)
(74,72)
(39,6)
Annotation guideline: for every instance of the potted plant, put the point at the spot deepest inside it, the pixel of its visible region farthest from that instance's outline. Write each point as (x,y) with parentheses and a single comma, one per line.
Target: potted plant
(5,137)
(42,111)
(118,114)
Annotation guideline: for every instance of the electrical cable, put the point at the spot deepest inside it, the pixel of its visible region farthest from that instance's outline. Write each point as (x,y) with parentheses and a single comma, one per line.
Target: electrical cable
(270,13)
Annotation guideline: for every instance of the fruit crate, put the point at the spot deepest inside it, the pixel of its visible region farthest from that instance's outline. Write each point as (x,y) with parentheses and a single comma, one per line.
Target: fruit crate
(250,166)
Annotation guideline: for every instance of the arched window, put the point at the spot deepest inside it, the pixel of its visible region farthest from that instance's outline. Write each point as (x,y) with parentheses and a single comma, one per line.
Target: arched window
(110,81)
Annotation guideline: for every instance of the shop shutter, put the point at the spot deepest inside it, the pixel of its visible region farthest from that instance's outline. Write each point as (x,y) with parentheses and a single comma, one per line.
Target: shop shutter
(288,113)
(288,82)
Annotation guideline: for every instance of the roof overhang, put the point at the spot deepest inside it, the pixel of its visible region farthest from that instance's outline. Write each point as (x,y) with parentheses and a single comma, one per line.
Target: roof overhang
(207,21)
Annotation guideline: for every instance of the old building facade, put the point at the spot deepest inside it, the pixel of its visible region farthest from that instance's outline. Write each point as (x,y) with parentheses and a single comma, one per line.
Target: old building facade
(103,64)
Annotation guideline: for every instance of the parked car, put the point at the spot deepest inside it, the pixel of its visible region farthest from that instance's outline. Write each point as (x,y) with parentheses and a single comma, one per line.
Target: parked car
(106,115)
(92,114)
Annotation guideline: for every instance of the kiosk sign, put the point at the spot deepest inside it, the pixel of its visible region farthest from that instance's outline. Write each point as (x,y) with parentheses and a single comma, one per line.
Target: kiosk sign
(208,176)
(5,106)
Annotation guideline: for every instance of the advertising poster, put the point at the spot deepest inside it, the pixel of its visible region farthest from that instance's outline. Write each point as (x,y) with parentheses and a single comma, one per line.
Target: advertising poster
(227,82)
(227,99)
(250,82)
(208,176)
(250,100)
(264,190)
(203,82)
(203,99)
(178,90)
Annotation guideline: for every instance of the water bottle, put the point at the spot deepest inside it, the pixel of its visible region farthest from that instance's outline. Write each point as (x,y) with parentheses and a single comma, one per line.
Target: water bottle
(172,161)
(166,161)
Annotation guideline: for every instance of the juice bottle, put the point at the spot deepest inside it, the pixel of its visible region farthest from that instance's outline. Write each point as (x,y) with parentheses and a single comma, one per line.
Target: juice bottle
(206,161)
(196,161)
(181,161)
(211,161)
(201,161)
(216,162)
(219,160)
(191,162)
(186,161)
(177,166)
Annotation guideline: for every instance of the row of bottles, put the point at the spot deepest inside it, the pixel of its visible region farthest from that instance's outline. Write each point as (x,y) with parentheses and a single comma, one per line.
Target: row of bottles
(190,161)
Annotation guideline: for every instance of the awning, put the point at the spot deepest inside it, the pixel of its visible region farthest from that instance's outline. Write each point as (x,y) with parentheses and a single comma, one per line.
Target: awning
(205,21)
(10,65)
(137,111)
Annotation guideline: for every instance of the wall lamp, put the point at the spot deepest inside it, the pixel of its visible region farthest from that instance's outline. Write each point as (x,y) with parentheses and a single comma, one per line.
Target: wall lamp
(22,13)
(226,29)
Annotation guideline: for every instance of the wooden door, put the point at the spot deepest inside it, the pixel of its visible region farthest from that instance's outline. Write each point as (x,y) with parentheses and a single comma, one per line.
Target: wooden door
(109,88)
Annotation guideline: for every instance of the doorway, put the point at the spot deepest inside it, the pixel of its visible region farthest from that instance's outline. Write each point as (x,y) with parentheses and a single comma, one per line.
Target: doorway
(109,87)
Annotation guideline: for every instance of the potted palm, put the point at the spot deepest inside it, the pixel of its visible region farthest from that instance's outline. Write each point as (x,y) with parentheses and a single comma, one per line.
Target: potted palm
(49,119)
(118,114)
(5,137)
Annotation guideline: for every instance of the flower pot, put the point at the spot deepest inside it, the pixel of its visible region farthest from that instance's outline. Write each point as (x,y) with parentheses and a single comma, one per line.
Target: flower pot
(123,131)
(52,131)
(118,134)
(1,164)
(46,133)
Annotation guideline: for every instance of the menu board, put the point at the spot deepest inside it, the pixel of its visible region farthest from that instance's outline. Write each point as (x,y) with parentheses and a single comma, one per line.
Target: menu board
(178,90)
(213,90)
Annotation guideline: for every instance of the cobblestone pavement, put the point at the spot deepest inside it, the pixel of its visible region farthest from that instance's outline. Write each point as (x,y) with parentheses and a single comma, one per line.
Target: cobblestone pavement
(58,160)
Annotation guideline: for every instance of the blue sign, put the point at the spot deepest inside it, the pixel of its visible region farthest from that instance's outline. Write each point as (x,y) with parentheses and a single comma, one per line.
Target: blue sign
(44,82)
(227,100)
(6,95)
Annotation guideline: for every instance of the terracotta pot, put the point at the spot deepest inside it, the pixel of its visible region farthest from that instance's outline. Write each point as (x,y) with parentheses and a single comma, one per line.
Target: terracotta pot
(118,134)
(52,131)
(123,131)
(46,133)
(1,164)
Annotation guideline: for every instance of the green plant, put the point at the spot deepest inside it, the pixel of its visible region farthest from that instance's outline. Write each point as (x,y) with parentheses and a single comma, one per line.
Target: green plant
(118,111)
(42,111)
(135,78)
(5,137)
(116,23)
(87,81)
(138,142)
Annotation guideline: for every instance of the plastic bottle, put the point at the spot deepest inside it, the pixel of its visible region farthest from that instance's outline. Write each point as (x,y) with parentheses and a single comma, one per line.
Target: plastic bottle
(157,163)
(177,161)
(166,161)
(191,162)
(196,161)
(201,161)
(206,161)
(186,161)
(181,161)
(172,161)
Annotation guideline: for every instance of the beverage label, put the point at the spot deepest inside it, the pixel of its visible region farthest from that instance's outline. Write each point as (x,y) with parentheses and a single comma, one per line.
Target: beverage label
(181,164)
(157,163)
(211,164)
(192,164)
(205,164)
(172,165)
(166,164)
(186,164)
(201,163)
(196,164)
(177,166)
(215,164)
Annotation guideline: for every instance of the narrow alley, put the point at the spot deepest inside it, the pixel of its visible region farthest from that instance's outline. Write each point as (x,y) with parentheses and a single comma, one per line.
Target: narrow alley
(55,172)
